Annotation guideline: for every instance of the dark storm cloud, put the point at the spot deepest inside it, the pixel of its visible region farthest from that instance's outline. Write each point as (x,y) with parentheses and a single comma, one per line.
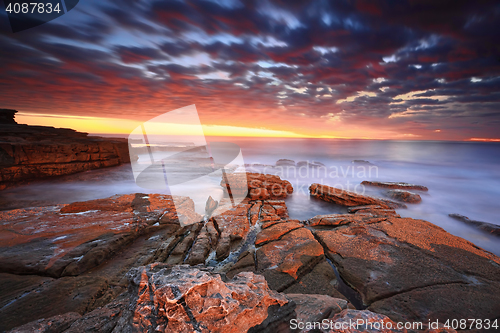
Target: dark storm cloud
(303,56)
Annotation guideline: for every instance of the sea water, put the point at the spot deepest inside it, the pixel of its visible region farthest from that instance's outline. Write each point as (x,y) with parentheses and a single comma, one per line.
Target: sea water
(462,177)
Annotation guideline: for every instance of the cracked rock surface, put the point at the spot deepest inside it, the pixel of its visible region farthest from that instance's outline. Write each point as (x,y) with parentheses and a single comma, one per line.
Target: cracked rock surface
(250,268)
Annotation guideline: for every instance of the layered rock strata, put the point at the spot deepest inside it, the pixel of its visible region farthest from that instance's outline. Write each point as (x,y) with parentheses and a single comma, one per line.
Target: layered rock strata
(32,152)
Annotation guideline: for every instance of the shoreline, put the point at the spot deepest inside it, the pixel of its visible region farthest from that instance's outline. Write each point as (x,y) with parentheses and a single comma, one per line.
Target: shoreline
(259,238)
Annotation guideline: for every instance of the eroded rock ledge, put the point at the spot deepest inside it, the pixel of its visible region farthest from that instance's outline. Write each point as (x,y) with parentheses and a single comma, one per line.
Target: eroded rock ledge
(31,152)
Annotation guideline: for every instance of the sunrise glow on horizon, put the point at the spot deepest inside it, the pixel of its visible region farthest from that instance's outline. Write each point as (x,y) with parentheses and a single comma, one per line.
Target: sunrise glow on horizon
(100,125)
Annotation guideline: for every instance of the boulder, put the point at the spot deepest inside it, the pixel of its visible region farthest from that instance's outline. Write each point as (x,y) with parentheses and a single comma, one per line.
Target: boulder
(396,185)
(485,226)
(7,116)
(275,232)
(102,262)
(405,196)
(347,198)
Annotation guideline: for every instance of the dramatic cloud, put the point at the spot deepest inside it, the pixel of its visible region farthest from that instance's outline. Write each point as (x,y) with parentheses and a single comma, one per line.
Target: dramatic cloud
(380,69)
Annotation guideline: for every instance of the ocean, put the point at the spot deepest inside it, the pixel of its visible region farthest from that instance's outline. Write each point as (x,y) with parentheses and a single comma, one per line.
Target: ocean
(462,177)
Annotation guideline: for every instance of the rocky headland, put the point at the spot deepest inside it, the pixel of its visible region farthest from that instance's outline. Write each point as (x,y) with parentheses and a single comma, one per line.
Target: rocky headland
(34,152)
(125,264)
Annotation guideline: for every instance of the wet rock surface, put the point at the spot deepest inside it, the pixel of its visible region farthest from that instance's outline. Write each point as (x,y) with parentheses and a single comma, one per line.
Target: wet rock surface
(185,299)
(259,186)
(396,185)
(485,226)
(310,164)
(252,267)
(285,162)
(361,162)
(69,240)
(369,322)
(32,152)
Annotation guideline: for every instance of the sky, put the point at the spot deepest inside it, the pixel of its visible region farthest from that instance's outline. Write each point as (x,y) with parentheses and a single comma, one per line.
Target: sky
(401,69)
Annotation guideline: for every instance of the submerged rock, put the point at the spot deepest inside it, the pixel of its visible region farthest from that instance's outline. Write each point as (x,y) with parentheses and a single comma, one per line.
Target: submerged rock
(485,226)
(347,198)
(55,324)
(396,185)
(401,269)
(184,299)
(285,162)
(404,196)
